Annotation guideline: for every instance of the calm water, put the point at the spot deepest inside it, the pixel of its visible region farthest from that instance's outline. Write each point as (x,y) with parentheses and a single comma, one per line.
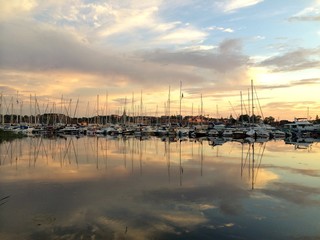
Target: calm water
(115,188)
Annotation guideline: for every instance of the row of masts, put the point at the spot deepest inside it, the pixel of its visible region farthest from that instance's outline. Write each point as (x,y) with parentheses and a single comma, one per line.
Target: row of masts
(63,111)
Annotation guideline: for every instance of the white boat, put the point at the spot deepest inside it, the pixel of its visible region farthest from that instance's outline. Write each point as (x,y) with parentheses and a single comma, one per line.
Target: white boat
(213,132)
(278,134)
(228,132)
(26,129)
(111,130)
(69,130)
(183,131)
(258,132)
(301,125)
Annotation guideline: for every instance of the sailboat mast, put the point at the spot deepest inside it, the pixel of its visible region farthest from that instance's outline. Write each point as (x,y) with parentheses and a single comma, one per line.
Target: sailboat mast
(169,119)
(241,102)
(124,111)
(249,104)
(18,115)
(2,117)
(61,111)
(106,107)
(180,104)
(132,107)
(30,118)
(201,109)
(241,107)
(192,110)
(20,104)
(141,120)
(97,119)
(217,110)
(252,101)
(11,119)
(35,110)
(75,110)
(157,119)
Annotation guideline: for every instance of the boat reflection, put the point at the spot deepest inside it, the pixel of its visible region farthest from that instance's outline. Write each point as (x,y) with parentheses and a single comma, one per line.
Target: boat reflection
(66,148)
(108,152)
(302,143)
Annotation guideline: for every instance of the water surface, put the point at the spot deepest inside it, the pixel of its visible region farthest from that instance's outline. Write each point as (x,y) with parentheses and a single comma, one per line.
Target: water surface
(128,188)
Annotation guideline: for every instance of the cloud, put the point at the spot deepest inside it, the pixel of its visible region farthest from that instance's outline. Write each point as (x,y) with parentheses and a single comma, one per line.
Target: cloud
(311,13)
(259,37)
(30,47)
(7,89)
(50,61)
(308,81)
(16,8)
(128,19)
(284,106)
(305,18)
(123,24)
(83,48)
(233,5)
(226,57)
(182,36)
(69,40)
(222,29)
(299,59)
(305,81)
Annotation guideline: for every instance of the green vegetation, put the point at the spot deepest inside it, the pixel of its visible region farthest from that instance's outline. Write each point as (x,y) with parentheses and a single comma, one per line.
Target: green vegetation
(9,136)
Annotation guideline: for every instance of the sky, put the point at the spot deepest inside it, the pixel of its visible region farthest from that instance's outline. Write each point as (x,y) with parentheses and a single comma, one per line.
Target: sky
(85,57)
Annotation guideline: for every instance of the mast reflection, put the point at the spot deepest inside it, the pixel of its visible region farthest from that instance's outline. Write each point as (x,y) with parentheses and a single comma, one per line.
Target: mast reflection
(179,159)
(252,160)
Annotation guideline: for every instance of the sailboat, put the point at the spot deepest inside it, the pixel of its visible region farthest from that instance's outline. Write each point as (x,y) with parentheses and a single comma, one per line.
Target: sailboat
(256,130)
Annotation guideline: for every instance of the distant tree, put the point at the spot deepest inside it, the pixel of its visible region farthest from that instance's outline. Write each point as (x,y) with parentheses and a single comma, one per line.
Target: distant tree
(244,118)
(232,120)
(283,122)
(269,120)
(255,118)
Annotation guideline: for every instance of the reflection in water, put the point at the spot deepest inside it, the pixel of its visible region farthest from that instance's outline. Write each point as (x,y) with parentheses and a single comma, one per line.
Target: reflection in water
(302,143)
(113,188)
(252,160)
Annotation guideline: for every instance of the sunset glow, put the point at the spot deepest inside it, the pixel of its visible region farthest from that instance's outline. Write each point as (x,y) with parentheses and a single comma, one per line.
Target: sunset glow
(119,52)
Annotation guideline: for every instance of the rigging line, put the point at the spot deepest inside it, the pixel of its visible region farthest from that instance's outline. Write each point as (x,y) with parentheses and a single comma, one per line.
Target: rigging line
(237,116)
(260,160)
(255,90)
(67,150)
(44,149)
(75,153)
(247,156)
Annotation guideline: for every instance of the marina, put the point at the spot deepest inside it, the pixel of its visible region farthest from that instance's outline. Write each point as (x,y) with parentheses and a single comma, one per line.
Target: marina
(238,130)
(162,120)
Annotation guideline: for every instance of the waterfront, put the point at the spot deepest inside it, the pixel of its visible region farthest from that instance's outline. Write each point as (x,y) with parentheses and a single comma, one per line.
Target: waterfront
(156,188)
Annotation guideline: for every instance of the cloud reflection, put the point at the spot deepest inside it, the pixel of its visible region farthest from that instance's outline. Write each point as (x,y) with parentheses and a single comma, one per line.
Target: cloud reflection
(295,193)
